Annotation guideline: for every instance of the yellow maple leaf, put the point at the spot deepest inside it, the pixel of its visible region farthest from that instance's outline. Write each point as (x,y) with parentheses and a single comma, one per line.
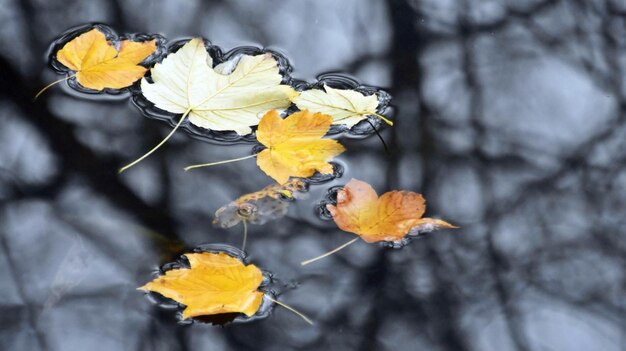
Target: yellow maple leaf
(99,65)
(346,106)
(295,147)
(216,283)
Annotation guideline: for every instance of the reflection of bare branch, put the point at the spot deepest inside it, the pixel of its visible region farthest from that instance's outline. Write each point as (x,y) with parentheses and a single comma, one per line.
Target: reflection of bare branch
(30,306)
(510,16)
(72,270)
(77,158)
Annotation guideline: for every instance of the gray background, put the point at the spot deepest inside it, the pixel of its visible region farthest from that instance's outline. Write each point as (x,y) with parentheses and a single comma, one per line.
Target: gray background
(510,118)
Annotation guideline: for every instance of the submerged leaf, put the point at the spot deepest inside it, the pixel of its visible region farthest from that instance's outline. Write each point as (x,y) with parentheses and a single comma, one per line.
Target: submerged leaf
(260,206)
(295,147)
(346,106)
(99,65)
(227,97)
(215,283)
(389,217)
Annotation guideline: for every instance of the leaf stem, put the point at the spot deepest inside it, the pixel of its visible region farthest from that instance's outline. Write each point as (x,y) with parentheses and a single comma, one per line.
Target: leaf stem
(51,84)
(304,263)
(385,119)
(245,234)
(219,163)
(300,314)
(379,137)
(158,145)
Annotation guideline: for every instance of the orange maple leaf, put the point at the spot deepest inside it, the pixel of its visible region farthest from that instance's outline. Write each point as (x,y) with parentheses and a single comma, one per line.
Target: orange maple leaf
(389,217)
(216,283)
(295,147)
(98,64)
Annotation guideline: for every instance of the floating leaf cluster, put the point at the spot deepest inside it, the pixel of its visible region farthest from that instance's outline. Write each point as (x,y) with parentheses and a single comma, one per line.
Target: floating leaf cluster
(245,94)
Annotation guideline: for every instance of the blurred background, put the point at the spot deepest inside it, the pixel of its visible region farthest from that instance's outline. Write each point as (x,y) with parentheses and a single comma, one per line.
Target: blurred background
(510,119)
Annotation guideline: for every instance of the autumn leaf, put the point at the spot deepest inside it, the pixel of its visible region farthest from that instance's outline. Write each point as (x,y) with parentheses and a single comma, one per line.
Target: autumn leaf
(389,217)
(260,206)
(227,97)
(186,82)
(99,64)
(269,203)
(346,106)
(295,147)
(216,283)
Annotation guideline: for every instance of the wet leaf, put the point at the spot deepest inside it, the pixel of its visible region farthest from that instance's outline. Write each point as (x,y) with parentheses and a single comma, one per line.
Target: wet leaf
(389,217)
(260,206)
(99,65)
(295,147)
(346,106)
(216,283)
(227,97)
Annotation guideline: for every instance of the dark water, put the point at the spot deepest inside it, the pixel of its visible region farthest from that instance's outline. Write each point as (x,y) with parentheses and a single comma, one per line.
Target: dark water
(510,119)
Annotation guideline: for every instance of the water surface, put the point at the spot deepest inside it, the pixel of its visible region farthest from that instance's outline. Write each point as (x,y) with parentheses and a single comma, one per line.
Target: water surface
(509,119)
